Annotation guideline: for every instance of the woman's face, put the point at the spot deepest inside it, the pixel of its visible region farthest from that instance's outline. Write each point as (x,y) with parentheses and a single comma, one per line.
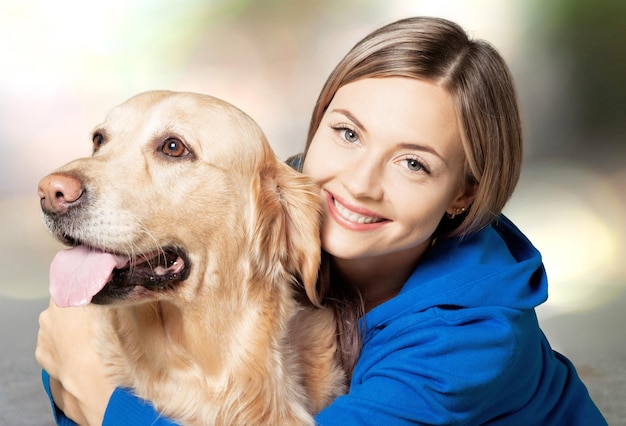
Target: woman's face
(389,160)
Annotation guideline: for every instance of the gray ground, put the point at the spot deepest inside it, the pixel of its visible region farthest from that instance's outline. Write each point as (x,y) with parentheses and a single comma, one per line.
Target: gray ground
(22,398)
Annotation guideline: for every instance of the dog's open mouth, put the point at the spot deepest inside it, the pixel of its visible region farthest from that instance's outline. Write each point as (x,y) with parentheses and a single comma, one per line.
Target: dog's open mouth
(82,274)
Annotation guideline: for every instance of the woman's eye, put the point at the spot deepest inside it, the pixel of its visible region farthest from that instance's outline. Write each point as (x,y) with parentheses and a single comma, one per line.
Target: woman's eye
(174,148)
(415,165)
(350,135)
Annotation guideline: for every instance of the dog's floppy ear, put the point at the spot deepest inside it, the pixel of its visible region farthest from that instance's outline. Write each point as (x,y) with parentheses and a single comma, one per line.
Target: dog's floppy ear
(286,232)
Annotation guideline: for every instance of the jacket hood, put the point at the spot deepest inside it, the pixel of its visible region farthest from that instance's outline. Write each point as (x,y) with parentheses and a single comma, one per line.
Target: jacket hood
(497,266)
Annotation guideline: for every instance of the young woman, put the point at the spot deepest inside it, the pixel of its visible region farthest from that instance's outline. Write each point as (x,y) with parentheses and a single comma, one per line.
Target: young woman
(415,143)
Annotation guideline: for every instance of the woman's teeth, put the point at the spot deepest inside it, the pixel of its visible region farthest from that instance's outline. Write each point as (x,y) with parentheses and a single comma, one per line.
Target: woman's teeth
(354,217)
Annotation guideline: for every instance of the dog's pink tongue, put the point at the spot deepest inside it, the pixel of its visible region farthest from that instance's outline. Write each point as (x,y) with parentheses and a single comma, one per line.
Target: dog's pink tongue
(77,274)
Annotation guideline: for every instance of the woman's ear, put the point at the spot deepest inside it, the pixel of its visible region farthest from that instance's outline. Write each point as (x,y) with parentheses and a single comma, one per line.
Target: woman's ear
(463,200)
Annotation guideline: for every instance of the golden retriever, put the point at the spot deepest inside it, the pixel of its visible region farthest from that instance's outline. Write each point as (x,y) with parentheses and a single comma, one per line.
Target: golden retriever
(204,249)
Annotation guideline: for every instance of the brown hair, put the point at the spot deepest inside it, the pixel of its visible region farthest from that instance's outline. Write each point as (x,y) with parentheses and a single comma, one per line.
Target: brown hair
(482,89)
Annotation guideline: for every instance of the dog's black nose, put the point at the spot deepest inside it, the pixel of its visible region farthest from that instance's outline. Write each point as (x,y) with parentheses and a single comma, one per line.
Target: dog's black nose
(58,192)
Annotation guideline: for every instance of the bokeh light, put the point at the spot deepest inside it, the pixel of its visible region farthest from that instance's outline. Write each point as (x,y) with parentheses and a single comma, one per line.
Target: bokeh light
(575,216)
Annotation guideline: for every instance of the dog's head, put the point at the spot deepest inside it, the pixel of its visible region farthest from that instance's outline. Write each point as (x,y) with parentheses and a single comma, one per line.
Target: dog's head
(181,189)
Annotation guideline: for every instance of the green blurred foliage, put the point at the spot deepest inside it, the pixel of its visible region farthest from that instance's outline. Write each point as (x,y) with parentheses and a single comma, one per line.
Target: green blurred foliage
(592,37)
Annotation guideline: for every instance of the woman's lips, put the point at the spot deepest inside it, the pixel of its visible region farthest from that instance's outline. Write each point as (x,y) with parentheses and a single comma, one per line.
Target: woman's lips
(352,217)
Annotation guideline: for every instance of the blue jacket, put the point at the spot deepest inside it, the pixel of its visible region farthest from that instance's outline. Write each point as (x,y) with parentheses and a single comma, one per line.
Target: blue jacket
(460,344)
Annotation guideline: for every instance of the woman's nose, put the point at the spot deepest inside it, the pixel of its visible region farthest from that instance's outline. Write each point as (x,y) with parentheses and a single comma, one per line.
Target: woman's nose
(365,179)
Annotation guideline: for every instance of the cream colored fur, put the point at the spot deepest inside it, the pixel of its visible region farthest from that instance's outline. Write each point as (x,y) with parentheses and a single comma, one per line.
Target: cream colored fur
(230,345)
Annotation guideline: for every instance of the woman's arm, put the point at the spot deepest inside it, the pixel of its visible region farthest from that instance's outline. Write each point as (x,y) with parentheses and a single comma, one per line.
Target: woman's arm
(431,368)
(74,377)
(61,419)
(65,349)
(123,408)
(401,372)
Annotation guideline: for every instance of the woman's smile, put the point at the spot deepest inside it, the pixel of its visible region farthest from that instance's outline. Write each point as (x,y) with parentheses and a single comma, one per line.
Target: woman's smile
(351,216)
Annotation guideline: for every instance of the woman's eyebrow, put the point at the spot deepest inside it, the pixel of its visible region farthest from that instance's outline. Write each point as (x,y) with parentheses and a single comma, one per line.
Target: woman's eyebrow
(350,117)
(426,148)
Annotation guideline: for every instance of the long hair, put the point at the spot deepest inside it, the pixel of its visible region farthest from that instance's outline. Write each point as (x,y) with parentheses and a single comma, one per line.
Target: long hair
(481,86)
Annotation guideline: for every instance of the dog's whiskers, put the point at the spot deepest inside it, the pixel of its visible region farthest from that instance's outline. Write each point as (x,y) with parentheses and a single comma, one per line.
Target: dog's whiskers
(159,249)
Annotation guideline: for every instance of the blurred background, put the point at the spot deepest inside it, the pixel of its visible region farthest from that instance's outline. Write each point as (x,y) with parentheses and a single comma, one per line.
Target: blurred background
(64,64)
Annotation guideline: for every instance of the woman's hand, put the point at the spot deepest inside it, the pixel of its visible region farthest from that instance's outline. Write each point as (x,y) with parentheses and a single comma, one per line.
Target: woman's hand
(66,350)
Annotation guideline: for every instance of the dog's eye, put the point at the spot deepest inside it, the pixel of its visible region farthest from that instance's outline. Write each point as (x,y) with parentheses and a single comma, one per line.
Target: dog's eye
(174,148)
(97,141)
